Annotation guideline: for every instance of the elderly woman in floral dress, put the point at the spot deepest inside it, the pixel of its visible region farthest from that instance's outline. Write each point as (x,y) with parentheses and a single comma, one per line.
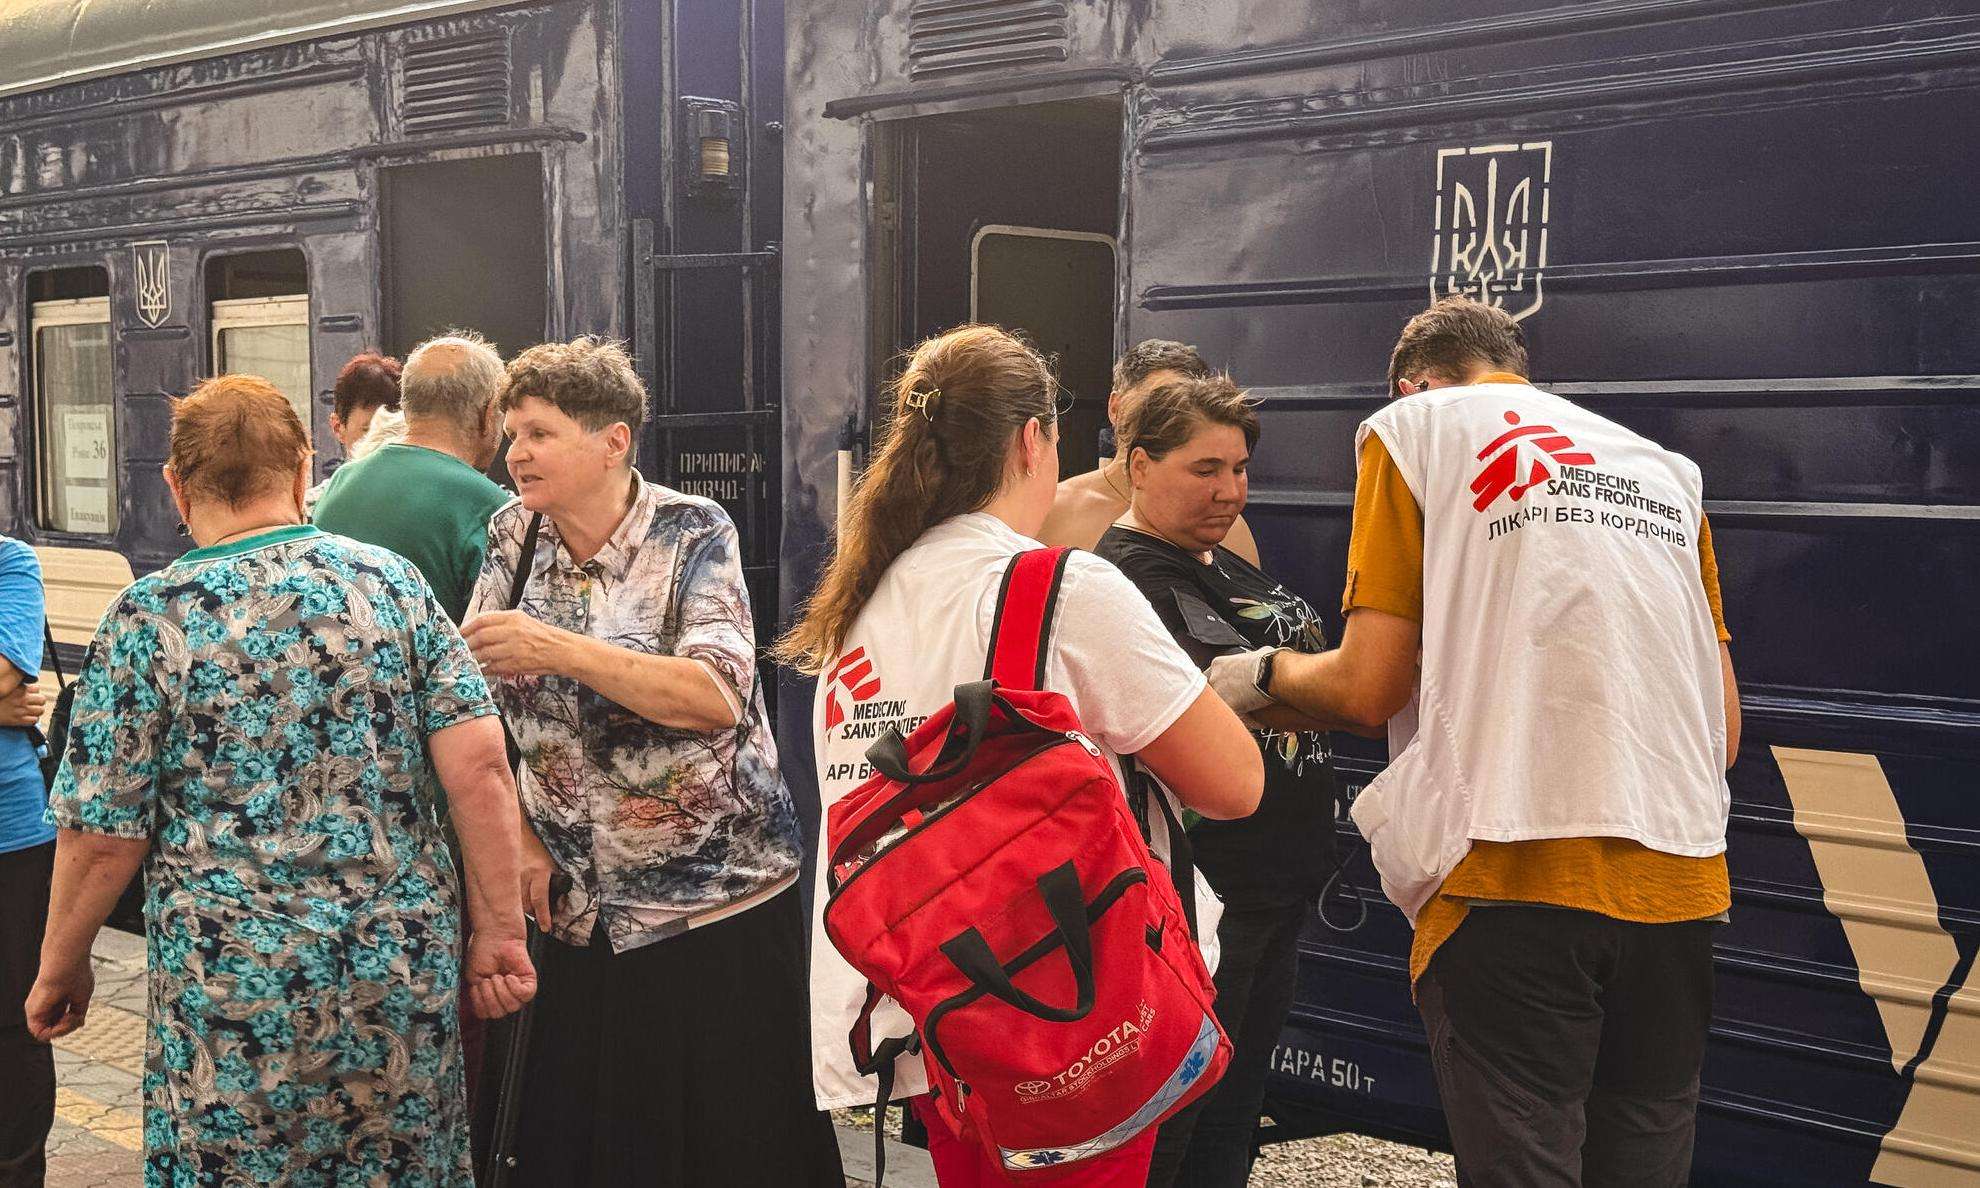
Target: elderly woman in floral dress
(268,722)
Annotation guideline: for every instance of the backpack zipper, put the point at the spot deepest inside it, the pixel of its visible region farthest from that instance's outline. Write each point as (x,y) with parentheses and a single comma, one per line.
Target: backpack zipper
(1055,740)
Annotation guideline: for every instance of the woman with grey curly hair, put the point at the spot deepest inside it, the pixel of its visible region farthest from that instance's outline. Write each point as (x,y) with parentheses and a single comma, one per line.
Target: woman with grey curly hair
(663,849)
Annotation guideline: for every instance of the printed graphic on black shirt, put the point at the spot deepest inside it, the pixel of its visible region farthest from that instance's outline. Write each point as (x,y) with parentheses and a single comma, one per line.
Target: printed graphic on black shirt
(1283,852)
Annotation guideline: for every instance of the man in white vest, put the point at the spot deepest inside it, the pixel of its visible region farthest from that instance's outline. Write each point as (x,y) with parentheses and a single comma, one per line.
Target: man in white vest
(1533,607)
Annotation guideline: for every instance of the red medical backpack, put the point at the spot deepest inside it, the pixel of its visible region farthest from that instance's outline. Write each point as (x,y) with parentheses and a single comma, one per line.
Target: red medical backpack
(992,880)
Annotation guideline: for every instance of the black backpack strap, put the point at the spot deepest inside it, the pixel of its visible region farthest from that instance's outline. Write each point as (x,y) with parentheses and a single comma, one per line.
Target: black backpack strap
(878,1061)
(48,747)
(1182,856)
(54,656)
(1021,631)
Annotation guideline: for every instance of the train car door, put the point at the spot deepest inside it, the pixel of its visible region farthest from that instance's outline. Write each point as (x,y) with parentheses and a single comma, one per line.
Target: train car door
(1007,215)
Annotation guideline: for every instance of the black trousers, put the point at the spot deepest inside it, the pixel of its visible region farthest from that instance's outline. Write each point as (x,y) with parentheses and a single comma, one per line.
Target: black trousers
(684,1063)
(1567,1046)
(1208,1145)
(27,1087)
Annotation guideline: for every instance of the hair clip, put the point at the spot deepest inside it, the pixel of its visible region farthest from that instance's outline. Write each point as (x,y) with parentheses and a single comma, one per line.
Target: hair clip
(917,400)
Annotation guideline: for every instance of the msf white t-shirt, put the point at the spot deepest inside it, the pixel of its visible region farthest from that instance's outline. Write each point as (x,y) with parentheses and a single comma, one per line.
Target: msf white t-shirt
(925,631)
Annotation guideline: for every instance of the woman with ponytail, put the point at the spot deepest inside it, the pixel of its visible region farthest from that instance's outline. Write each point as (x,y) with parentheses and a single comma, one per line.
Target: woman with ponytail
(963,477)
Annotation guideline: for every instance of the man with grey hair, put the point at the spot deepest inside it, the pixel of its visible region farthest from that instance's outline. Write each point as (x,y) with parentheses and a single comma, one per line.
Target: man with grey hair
(425,497)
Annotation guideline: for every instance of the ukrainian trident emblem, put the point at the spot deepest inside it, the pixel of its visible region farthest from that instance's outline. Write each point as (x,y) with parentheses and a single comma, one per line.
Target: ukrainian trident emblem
(151,279)
(1490,239)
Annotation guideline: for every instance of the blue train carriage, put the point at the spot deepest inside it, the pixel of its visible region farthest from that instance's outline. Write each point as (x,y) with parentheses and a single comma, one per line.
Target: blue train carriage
(1744,229)
(186,189)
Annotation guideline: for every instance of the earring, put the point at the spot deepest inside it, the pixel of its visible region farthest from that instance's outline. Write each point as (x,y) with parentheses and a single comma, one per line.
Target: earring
(182,530)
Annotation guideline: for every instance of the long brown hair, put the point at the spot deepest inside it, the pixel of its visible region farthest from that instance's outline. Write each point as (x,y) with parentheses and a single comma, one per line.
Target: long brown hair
(956,410)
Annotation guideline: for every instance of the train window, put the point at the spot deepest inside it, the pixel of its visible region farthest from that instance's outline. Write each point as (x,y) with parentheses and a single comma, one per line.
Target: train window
(76,417)
(268,337)
(260,321)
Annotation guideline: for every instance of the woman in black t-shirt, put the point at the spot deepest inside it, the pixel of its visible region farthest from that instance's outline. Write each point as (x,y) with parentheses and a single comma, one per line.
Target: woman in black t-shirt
(1189,445)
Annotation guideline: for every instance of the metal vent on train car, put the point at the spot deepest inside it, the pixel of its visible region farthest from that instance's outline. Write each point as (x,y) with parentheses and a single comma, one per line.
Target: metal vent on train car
(460,83)
(945,36)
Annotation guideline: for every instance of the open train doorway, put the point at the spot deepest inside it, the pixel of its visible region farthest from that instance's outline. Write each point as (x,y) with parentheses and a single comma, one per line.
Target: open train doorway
(1007,216)
(463,247)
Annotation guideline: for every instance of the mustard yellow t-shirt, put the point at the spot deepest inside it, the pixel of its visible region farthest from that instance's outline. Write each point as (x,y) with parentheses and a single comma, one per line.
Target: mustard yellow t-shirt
(1614,876)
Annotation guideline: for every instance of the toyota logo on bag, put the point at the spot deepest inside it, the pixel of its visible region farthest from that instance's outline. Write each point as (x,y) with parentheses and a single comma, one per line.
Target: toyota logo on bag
(1032,1088)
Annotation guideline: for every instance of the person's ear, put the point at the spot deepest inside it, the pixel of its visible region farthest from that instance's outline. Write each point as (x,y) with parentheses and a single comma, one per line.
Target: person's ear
(1114,409)
(1138,463)
(178,494)
(302,483)
(1048,441)
(618,443)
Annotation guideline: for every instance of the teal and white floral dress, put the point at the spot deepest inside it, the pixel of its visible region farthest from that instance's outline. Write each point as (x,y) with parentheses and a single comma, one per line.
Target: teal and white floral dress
(259,711)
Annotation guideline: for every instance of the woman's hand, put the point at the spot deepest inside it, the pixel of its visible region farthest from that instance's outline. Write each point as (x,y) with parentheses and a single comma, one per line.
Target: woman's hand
(59,1002)
(500,978)
(512,644)
(23,706)
(538,868)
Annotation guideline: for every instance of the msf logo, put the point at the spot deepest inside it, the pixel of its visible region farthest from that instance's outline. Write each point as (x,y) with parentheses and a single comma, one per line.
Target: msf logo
(1490,238)
(1520,459)
(852,676)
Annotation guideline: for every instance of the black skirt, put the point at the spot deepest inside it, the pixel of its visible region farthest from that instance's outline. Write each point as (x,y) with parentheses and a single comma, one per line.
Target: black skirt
(686,1062)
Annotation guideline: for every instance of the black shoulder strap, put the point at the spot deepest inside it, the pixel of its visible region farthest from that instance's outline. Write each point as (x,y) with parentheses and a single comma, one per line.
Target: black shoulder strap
(54,656)
(525,561)
(877,1060)
(1182,855)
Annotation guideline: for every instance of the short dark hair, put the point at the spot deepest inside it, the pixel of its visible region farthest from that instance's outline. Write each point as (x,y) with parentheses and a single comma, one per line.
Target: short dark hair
(1454,337)
(367,381)
(1170,415)
(590,379)
(1151,355)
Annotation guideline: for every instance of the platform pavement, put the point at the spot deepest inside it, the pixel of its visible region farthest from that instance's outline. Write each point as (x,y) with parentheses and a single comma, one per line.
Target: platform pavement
(99,1130)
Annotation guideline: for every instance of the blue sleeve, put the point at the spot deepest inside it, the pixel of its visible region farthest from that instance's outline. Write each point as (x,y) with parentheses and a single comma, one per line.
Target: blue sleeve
(21,606)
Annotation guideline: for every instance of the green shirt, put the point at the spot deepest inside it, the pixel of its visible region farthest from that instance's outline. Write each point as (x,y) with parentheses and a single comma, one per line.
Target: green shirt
(427,506)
